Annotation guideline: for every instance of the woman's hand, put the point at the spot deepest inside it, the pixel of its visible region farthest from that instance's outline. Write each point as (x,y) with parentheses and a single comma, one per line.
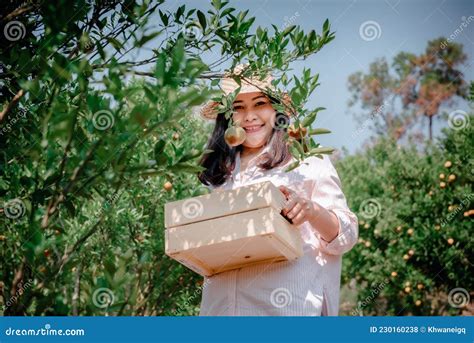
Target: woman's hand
(298,209)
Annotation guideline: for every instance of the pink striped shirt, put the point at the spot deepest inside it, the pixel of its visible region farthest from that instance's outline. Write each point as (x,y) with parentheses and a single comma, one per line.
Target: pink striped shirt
(308,286)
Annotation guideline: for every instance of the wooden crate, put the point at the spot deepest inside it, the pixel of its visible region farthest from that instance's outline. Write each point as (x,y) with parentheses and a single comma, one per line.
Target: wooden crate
(231,229)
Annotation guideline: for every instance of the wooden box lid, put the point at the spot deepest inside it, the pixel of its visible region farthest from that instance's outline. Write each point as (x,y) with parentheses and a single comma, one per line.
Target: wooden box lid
(223,203)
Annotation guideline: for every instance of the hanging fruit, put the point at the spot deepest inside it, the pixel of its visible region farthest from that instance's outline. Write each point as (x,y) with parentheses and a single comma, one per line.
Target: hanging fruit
(234,135)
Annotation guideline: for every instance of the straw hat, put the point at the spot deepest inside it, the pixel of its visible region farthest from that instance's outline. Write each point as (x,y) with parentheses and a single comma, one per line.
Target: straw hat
(248,85)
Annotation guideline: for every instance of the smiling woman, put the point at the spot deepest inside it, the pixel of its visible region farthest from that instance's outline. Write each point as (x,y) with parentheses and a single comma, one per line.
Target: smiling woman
(316,206)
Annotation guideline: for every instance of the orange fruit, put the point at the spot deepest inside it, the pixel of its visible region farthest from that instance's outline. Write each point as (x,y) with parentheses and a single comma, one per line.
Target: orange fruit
(410,231)
(3,238)
(420,286)
(406,257)
(368,244)
(451,178)
(407,289)
(442,176)
(450,241)
(447,164)
(234,136)
(394,274)
(418,302)
(297,132)
(168,186)
(442,184)
(175,136)
(411,252)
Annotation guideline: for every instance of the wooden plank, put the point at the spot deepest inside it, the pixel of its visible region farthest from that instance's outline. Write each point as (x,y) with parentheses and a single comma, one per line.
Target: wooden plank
(223,203)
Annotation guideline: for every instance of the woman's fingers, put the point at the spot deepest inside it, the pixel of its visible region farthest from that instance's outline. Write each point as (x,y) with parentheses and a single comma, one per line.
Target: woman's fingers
(286,191)
(299,218)
(289,206)
(294,211)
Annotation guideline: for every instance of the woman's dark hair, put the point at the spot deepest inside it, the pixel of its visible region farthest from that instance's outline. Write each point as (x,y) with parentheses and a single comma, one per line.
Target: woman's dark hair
(221,161)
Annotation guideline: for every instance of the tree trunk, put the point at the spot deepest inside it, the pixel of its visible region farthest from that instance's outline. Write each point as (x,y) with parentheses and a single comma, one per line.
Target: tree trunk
(430,127)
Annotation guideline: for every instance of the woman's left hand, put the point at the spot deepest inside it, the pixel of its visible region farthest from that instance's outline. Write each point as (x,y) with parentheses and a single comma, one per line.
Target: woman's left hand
(298,209)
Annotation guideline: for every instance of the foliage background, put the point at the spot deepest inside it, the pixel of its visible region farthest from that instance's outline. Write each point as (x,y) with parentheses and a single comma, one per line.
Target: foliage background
(94,142)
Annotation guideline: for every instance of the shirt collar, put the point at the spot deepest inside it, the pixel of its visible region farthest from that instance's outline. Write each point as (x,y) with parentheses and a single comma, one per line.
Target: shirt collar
(252,164)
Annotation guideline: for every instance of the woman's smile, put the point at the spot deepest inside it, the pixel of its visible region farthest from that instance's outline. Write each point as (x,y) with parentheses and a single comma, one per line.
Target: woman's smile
(253,128)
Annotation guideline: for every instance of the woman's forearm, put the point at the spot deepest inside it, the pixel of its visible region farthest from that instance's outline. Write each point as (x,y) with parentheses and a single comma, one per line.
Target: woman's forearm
(324,221)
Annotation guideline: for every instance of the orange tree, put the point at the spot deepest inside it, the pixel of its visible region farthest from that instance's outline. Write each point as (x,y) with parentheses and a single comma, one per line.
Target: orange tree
(414,255)
(88,156)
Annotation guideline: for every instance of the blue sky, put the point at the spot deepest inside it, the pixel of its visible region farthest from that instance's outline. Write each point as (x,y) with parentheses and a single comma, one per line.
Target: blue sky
(403,25)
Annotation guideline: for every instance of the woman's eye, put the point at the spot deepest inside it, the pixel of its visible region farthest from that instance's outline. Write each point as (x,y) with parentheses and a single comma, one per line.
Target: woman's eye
(236,108)
(260,103)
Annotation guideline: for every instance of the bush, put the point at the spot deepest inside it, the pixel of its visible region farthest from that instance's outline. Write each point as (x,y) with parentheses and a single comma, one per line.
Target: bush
(414,210)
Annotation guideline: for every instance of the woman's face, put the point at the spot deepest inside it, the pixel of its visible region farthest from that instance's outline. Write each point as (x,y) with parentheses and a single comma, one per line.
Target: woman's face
(255,114)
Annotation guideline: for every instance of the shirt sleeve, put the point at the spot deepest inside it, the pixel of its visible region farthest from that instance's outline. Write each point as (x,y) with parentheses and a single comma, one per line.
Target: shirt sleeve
(327,192)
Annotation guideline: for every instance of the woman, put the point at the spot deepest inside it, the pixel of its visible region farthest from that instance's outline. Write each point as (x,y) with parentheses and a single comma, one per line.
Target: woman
(308,286)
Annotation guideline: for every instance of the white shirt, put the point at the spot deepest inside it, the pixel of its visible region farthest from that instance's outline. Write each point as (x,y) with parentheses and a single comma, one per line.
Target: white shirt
(308,286)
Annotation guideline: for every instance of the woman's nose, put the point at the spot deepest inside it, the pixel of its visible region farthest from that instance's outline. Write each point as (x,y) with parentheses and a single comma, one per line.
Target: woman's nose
(250,115)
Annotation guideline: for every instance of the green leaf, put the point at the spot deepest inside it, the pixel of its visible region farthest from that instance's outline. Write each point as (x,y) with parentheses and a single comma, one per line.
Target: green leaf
(323,150)
(202,20)
(158,150)
(115,43)
(318,131)
(164,18)
(307,121)
(292,166)
(146,38)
